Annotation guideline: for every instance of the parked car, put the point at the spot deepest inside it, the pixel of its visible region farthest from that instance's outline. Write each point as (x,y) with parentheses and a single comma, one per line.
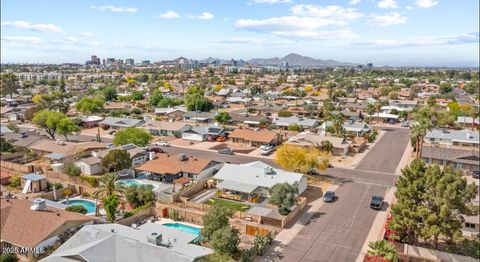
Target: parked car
(221,139)
(226,151)
(266,149)
(405,124)
(156,150)
(161,143)
(476,174)
(329,196)
(377,202)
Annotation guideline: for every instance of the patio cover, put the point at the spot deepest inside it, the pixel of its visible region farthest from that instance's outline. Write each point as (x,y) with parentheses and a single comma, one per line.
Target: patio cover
(236,186)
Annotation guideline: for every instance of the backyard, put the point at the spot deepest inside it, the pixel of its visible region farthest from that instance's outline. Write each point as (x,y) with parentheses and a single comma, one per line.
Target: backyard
(227,203)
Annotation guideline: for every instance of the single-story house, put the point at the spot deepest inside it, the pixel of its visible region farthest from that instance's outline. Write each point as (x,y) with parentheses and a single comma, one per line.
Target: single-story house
(467,121)
(34,225)
(167,168)
(403,105)
(121,123)
(112,106)
(138,155)
(115,242)
(468,160)
(255,138)
(355,128)
(284,122)
(166,128)
(89,165)
(201,117)
(91,121)
(67,148)
(177,111)
(247,119)
(340,144)
(23,139)
(202,133)
(471,225)
(386,117)
(250,180)
(450,137)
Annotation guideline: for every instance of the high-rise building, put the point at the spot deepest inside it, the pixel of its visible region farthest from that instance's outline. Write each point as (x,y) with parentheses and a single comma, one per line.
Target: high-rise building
(130,62)
(110,60)
(95,60)
(369,65)
(145,62)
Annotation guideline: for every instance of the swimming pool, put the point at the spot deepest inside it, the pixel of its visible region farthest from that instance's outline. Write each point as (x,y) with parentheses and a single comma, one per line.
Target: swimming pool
(89,205)
(184,228)
(135,182)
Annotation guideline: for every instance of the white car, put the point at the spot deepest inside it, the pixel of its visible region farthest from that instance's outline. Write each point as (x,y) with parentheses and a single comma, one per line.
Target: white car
(161,143)
(266,149)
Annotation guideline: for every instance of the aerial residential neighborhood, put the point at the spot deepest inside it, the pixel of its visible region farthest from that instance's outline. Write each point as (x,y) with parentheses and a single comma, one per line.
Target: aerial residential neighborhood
(128,133)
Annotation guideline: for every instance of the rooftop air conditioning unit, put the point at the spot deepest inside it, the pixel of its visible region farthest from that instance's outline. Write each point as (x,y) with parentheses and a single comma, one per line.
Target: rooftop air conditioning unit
(39,205)
(154,238)
(182,157)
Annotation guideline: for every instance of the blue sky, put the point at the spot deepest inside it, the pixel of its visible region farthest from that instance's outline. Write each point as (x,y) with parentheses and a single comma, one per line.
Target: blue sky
(393,32)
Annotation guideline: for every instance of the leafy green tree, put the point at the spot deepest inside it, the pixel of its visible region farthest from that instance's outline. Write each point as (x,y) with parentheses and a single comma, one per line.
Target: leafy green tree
(215,219)
(88,105)
(72,170)
(108,186)
(284,113)
(116,160)
(223,117)
(137,95)
(110,204)
(66,127)
(336,128)
(155,97)
(15,182)
(384,249)
(8,257)
(77,208)
(195,100)
(5,146)
(10,84)
(49,121)
(326,146)
(262,242)
(132,135)
(284,196)
(295,127)
(57,101)
(139,195)
(110,93)
(225,240)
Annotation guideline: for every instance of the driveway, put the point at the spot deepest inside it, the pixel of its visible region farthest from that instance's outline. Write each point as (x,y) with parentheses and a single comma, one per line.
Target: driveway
(387,152)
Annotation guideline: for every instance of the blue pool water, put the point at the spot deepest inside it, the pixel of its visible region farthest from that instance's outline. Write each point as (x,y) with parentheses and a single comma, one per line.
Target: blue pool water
(184,228)
(134,182)
(89,205)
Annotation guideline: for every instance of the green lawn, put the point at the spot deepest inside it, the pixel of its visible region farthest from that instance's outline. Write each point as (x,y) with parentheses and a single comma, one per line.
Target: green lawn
(237,206)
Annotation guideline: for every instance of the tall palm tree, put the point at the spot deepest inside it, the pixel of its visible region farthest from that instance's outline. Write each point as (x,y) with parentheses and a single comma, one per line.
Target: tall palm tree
(384,249)
(370,111)
(109,185)
(419,132)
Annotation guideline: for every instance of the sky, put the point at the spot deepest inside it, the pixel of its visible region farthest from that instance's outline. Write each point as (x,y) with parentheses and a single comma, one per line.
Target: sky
(383,32)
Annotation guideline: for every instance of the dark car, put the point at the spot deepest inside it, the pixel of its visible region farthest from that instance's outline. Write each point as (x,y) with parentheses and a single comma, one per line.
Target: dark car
(377,202)
(226,151)
(329,196)
(476,174)
(155,149)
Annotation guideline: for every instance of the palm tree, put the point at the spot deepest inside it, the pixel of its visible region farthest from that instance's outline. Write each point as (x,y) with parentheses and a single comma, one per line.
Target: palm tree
(418,133)
(109,185)
(337,126)
(370,111)
(384,249)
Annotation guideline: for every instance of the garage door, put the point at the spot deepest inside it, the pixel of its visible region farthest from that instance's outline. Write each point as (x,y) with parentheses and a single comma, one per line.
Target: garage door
(190,136)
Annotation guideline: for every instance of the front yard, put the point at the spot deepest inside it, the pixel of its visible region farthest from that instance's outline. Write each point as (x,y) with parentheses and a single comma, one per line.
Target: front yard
(227,203)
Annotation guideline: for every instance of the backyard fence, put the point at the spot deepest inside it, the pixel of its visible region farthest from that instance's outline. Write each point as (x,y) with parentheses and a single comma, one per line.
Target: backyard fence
(18,168)
(128,221)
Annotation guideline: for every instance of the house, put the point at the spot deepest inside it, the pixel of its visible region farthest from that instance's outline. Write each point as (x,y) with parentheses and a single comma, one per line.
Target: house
(120,123)
(89,165)
(119,243)
(176,112)
(199,117)
(246,118)
(255,138)
(167,168)
(64,149)
(468,160)
(349,114)
(166,128)
(112,106)
(90,121)
(467,121)
(353,128)
(471,225)
(23,139)
(203,133)
(449,137)
(137,154)
(402,105)
(340,144)
(284,122)
(33,183)
(386,117)
(252,180)
(34,225)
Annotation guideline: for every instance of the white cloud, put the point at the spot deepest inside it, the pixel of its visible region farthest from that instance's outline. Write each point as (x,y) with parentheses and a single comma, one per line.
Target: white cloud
(24,25)
(114,9)
(422,41)
(387,4)
(169,15)
(203,16)
(354,2)
(388,19)
(425,3)
(272,1)
(332,11)
(250,40)
(86,34)
(318,35)
(33,40)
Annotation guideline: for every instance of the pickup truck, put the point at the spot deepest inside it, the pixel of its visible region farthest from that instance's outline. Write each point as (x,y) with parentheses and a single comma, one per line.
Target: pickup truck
(376,203)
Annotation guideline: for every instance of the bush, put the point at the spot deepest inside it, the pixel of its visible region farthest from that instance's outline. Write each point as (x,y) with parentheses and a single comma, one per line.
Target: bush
(127,214)
(72,170)
(77,208)
(372,136)
(57,186)
(91,180)
(15,182)
(284,113)
(284,211)
(8,257)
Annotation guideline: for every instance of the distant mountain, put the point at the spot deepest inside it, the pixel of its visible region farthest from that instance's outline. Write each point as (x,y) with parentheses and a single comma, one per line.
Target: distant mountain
(297,60)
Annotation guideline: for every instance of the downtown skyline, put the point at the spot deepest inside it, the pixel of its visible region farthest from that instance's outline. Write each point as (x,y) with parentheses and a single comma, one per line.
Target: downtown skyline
(385,32)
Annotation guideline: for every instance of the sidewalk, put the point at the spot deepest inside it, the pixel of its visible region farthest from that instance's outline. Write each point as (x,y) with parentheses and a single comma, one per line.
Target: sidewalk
(378,227)
(286,235)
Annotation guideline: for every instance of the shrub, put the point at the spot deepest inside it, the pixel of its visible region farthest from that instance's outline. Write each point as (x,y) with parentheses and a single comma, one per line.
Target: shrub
(173,214)
(57,186)
(15,182)
(372,136)
(91,180)
(77,208)
(127,214)
(67,192)
(8,257)
(284,113)
(72,170)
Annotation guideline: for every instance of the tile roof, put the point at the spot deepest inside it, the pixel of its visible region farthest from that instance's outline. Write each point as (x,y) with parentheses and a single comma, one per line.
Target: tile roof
(121,122)
(24,227)
(165,125)
(252,135)
(171,164)
(450,154)
(69,148)
(303,139)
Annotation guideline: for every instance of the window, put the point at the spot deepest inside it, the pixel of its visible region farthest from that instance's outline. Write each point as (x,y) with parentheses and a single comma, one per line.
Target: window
(470,225)
(459,165)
